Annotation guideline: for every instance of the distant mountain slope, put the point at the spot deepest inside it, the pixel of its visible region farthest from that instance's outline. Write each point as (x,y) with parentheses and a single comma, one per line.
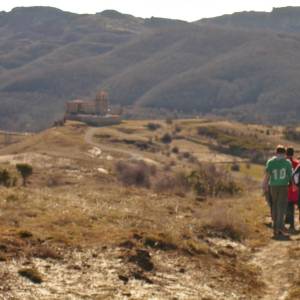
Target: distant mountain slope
(286,19)
(244,65)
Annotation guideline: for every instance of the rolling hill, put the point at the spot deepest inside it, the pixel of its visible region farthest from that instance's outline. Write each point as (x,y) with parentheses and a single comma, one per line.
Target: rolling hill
(242,65)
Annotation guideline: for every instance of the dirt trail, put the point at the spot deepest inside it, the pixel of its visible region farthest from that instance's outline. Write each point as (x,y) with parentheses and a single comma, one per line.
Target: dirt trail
(278,268)
(89,139)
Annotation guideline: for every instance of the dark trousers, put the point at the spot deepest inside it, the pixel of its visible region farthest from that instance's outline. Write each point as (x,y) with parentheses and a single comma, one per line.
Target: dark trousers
(290,214)
(268,197)
(279,203)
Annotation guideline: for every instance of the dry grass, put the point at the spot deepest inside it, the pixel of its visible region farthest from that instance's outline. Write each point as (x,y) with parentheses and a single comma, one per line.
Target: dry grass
(227,223)
(294,290)
(70,204)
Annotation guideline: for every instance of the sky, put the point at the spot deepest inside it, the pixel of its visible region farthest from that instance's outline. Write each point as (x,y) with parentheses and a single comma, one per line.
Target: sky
(189,10)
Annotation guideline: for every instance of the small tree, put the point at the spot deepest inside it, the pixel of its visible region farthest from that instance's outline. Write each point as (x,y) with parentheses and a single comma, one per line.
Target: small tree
(25,170)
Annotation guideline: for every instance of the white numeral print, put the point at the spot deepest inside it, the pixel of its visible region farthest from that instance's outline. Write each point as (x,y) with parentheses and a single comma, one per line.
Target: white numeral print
(279,174)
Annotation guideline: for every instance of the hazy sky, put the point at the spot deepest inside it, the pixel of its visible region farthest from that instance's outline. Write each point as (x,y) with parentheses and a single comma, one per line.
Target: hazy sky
(177,9)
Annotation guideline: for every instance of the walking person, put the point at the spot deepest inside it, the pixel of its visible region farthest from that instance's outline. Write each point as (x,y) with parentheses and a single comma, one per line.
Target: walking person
(278,176)
(296,181)
(292,193)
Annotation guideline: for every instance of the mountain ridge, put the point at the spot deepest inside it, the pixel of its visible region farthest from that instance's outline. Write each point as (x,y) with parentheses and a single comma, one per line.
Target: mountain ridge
(219,65)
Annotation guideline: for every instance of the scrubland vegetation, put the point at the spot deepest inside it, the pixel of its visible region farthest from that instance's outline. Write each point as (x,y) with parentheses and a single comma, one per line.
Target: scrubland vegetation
(96,197)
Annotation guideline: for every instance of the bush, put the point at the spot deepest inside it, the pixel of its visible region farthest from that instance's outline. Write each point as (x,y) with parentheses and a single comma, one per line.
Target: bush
(292,134)
(237,144)
(186,155)
(177,129)
(25,170)
(169,121)
(136,173)
(235,167)
(171,182)
(5,177)
(166,138)
(257,157)
(153,126)
(175,150)
(207,180)
(32,274)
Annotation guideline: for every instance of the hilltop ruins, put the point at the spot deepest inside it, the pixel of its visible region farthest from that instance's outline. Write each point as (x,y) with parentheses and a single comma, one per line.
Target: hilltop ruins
(93,112)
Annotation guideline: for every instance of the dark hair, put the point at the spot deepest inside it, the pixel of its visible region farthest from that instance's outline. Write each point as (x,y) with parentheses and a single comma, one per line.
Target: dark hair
(280,149)
(290,151)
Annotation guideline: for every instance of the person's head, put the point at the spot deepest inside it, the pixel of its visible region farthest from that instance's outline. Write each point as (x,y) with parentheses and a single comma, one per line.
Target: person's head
(280,150)
(290,152)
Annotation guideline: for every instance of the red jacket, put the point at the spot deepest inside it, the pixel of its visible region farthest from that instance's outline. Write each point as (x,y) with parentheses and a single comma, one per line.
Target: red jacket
(293,189)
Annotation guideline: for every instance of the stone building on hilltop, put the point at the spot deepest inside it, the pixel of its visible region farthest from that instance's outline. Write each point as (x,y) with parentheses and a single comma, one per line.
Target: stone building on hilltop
(93,112)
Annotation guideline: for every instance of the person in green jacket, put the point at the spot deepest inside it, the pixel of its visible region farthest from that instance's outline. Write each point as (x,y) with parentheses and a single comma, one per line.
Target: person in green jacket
(278,177)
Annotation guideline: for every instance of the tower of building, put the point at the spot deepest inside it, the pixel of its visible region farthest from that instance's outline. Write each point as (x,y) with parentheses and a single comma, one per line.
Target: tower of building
(101,103)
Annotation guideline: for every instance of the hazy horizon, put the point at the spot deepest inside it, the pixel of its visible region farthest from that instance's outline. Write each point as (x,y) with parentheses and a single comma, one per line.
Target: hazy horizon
(189,10)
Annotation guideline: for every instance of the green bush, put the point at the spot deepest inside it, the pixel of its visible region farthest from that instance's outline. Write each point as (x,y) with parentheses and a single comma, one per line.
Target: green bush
(25,170)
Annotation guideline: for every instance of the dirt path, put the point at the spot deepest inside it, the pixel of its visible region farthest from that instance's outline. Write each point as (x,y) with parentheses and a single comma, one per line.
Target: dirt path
(89,139)
(278,268)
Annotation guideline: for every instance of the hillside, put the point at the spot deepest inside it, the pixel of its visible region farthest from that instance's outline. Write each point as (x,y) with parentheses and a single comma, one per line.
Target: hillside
(124,212)
(241,66)
(285,19)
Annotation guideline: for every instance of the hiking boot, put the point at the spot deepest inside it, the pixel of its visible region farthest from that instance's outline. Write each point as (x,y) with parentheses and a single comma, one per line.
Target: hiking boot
(284,230)
(292,230)
(281,237)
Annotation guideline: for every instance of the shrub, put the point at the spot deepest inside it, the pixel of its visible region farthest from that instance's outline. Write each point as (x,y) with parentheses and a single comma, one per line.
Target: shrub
(177,129)
(237,144)
(207,180)
(171,182)
(186,155)
(166,138)
(169,121)
(292,134)
(153,126)
(5,177)
(135,173)
(175,150)
(193,159)
(32,274)
(235,167)
(25,170)
(258,157)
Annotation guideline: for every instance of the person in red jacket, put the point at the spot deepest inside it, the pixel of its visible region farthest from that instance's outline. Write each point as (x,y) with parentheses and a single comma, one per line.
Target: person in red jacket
(292,193)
